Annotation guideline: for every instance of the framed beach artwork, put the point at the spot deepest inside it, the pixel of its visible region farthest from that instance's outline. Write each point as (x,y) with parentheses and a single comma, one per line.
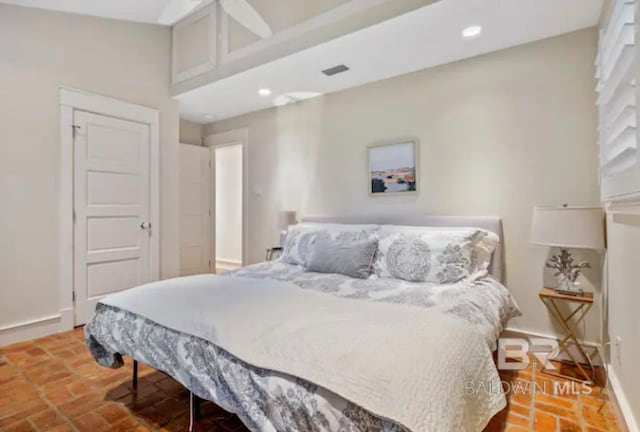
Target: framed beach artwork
(392,167)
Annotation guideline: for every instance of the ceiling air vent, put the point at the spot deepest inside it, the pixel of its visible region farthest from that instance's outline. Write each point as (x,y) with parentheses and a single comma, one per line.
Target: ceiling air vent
(335,70)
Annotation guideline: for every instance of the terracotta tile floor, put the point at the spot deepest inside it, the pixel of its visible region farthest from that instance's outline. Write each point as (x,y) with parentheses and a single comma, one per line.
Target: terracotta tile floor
(53,384)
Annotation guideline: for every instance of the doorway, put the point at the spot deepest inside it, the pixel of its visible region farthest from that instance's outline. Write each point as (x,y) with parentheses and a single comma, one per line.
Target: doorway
(228,206)
(109,199)
(229,219)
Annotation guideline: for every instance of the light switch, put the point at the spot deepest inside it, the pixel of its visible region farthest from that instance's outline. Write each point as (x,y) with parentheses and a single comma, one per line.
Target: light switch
(257,190)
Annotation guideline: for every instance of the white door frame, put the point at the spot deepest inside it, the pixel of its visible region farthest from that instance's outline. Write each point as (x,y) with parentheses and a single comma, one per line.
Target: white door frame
(221,139)
(72,99)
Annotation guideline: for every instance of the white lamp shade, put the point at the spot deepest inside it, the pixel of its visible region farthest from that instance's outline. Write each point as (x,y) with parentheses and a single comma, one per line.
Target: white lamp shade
(286,218)
(573,227)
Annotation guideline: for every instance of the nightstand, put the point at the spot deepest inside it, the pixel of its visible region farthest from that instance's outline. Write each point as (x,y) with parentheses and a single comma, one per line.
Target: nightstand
(579,306)
(273,253)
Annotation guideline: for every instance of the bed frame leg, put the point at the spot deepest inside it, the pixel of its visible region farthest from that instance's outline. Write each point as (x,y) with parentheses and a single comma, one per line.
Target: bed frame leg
(194,410)
(134,380)
(196,407)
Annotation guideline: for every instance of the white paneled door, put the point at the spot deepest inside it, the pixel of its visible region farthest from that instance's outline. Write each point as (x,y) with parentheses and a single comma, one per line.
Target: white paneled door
(195,214)
(111,204)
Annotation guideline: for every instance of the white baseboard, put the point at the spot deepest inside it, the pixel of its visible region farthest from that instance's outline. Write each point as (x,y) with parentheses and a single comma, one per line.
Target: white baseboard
(591,347)
(36,328)
(623,403)
(228,264)
(540,335)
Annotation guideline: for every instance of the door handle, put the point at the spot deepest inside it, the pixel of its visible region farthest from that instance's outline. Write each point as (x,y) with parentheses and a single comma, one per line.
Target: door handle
(145,225)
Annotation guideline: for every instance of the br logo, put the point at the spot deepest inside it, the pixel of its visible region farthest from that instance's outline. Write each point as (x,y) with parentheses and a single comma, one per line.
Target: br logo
(516,353)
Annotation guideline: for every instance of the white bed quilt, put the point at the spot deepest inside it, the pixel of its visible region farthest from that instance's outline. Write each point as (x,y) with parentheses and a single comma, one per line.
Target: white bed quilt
(409,364)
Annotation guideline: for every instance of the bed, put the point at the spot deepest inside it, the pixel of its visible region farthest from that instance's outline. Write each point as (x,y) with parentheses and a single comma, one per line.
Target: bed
(293,366)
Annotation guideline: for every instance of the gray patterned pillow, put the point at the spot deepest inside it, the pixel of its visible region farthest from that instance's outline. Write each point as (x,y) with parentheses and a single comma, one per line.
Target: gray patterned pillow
(434,255)
(298,244)
(342,255)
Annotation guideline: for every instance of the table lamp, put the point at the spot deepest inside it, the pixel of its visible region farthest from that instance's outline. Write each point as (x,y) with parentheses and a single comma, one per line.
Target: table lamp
(286,218)
(568,227)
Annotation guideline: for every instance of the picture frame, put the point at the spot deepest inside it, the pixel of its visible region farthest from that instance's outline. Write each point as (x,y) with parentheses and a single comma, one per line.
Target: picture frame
(393,167)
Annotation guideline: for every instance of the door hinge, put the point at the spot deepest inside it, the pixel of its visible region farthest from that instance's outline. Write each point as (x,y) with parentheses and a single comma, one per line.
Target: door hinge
(74,216)
(73,296)
(74,128)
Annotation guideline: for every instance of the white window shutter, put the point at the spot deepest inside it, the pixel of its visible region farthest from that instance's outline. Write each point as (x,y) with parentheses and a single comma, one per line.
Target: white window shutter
(616,71)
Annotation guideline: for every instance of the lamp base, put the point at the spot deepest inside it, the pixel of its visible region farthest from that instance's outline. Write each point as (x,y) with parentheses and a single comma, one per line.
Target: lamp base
(571,293)
(568,288)
(567,272)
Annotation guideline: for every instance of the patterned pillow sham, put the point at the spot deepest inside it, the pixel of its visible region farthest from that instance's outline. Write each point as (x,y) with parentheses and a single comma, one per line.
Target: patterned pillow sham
(434,255)
(346,257)
(298,245)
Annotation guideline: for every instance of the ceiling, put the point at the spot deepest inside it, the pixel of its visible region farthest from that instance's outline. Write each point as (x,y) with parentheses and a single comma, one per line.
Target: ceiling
(146,11)
(426,37)
(278,13)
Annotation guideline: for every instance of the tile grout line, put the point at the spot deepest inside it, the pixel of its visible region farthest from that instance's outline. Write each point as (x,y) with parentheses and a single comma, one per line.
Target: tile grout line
(37,390)
(73,372)
(94,386)
(532,413)
(53,406)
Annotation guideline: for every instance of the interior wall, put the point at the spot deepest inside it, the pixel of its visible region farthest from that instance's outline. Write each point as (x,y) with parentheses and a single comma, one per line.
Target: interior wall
(228,205)
(623,225)
(39,51)
(623,296)
(498,134)
(190,132)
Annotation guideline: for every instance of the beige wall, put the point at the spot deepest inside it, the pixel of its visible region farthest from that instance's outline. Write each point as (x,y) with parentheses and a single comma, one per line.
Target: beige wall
(190,133)
(40,50)
(498,134)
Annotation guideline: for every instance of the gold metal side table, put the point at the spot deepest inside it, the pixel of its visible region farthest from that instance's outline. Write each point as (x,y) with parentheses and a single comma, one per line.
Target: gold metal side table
(569,321)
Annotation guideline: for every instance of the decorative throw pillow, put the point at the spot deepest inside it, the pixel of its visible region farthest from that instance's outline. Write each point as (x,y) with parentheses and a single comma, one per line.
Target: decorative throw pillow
(300,238)
(434,255)
(352,258)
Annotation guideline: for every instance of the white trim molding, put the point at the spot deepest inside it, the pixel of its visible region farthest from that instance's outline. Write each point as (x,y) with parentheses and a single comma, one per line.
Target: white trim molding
(73,99)
(210,14)
(594,350)
(294,32)
(221,139)
(622,221)
(224,264)
(627,208)
(36,328)
(622,402)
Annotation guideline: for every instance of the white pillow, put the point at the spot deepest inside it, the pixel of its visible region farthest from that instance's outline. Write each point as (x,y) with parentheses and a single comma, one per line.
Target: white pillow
(433,254)
(298,245)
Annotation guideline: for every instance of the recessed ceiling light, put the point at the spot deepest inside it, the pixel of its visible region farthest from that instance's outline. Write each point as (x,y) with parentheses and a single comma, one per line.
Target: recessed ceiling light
(264,92)
(208,116)
(472,32)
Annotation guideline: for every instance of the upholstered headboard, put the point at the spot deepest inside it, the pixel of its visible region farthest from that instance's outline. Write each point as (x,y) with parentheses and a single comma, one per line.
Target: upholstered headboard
(490,223)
